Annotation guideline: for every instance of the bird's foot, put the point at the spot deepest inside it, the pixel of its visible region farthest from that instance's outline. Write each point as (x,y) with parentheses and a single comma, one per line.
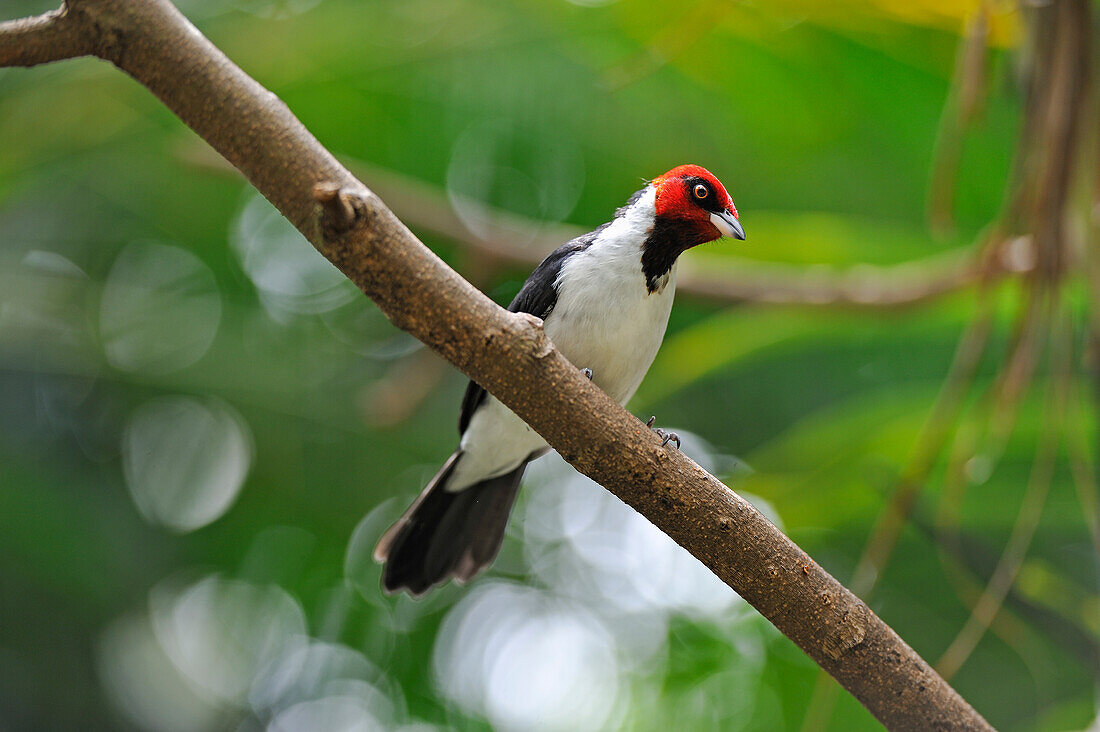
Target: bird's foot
(667,436)
(587,373)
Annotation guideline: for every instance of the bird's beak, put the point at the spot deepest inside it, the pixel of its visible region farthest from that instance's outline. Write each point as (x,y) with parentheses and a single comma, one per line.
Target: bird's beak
(728,224)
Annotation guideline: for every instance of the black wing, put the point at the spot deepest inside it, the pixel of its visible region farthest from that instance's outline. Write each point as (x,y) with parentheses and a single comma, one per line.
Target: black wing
(538,296)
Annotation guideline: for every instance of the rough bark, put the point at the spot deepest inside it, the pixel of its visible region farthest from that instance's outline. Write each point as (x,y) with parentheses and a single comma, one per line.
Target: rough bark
(507,353)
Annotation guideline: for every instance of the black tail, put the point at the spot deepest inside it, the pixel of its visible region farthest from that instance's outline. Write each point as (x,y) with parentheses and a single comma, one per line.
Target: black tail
(447,534)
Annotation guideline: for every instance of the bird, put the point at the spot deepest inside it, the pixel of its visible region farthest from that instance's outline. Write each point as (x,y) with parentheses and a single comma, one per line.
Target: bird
(604,299)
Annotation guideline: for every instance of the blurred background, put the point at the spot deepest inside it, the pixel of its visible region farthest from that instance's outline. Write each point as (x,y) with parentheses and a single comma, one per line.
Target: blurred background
(204,428)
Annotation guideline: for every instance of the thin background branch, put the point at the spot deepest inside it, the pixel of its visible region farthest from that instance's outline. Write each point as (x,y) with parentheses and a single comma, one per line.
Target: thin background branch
(507,238)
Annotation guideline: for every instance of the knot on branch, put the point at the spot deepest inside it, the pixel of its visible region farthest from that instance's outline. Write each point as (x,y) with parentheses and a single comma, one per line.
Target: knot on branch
(532,325)
(338,208)
(846,629)
(103,33)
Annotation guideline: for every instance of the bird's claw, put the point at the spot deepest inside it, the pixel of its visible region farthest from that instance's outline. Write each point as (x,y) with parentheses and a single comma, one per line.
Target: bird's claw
(667,436)
(587,373)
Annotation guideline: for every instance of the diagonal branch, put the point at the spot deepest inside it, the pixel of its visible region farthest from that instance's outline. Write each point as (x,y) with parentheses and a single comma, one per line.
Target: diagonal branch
(511,356)
(52,36)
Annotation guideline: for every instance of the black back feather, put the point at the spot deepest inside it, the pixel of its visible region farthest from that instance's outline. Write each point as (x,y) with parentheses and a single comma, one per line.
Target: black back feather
(538,296)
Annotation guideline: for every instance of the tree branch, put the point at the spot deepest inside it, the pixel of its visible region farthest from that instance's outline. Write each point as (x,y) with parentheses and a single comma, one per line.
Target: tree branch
(508,237)
(511,356)
(52,36)
(503,236)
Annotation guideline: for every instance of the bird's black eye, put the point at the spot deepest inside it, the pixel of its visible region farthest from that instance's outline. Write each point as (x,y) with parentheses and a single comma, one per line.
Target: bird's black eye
(700,191)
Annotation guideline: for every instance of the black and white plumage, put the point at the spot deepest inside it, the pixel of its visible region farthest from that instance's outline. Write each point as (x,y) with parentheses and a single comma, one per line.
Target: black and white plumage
(605,299)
